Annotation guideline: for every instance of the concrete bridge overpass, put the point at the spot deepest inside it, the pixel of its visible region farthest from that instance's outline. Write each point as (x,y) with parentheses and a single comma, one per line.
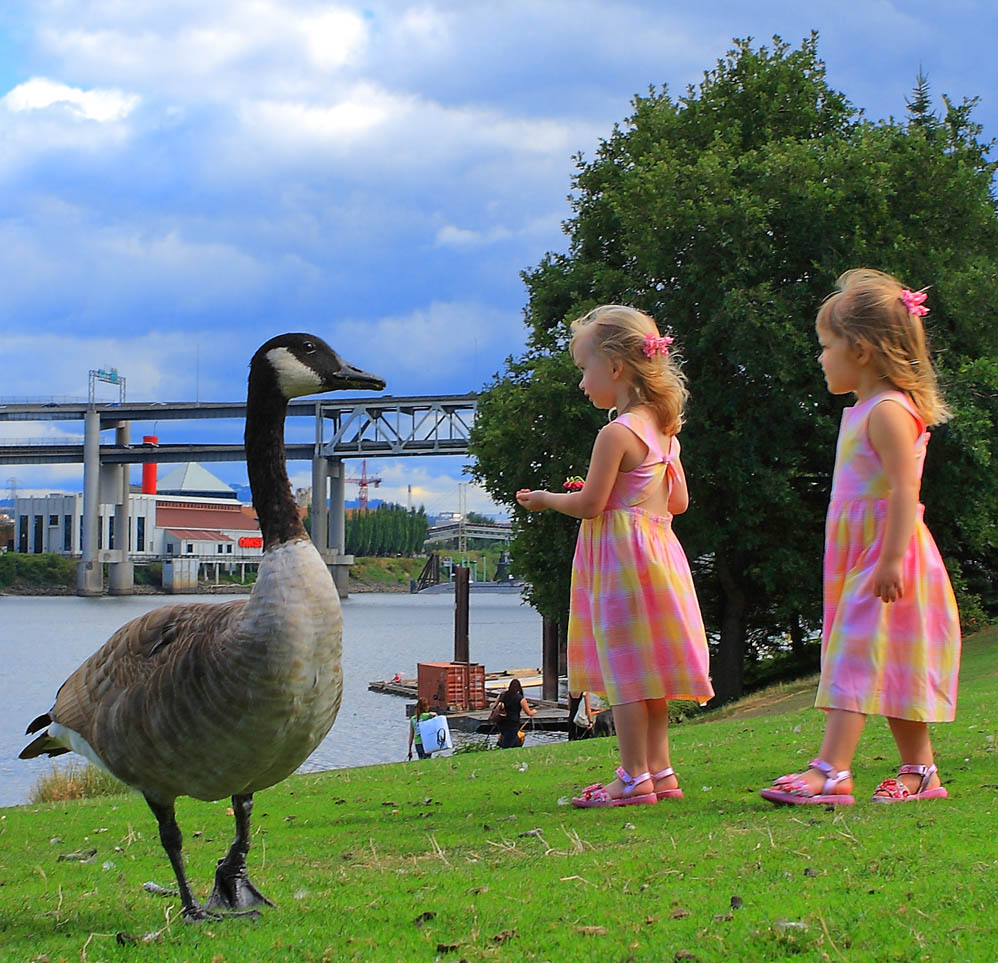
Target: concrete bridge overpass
(345,428)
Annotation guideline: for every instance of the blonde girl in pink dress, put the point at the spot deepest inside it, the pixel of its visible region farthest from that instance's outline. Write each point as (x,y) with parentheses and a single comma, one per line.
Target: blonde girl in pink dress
(891,633)
(634,633)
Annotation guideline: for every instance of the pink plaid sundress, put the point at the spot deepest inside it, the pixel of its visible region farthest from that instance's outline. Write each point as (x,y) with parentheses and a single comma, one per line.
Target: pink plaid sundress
(898,659)
(634,629)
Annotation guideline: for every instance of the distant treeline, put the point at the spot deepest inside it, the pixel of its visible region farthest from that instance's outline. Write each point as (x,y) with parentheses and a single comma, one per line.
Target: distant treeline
(386,530)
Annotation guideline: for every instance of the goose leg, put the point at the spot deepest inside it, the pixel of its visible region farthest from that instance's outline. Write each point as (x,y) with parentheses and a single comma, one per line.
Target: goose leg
(172,840)
(233,888)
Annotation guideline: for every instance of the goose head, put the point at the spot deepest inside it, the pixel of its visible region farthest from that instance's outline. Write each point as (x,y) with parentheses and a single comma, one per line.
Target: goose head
(303,364)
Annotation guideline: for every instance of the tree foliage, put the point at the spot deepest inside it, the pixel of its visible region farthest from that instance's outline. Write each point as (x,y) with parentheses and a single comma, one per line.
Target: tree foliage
(387,530)
(727,214)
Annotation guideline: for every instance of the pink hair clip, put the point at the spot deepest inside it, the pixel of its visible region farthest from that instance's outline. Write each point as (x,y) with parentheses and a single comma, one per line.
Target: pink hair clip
(654,346)
(914,301)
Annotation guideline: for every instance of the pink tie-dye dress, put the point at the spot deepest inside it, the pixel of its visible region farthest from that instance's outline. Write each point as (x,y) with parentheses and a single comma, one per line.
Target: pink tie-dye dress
(899,659)
(634,629)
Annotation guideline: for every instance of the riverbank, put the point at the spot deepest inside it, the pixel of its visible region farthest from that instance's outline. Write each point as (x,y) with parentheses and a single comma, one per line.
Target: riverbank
(207,588)
(55,575)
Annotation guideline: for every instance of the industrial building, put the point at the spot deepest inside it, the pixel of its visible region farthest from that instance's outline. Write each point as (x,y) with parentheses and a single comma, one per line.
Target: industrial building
(187,512)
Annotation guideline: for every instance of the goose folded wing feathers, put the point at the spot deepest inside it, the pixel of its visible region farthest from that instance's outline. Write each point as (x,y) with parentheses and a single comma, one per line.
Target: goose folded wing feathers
(129,661)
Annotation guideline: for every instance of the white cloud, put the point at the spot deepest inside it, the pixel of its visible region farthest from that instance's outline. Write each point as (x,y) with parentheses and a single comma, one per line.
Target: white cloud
(36,481)
(39,432)
(333,37)
(290,123)
(70,266)
(427,29)
(209,51)
(451,236)
(157,366)
(430,343)
(436,484)
(407,138)
(100,105)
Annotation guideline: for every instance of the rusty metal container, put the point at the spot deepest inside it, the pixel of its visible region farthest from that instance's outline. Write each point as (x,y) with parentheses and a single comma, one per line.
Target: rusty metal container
(451,686)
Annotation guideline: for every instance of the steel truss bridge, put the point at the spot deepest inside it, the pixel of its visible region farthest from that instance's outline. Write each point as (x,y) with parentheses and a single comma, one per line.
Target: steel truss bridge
(344,428)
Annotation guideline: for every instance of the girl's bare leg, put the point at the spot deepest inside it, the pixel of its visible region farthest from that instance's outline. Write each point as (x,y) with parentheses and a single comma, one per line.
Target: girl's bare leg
(631,722)
(915,749)
(842,731)
(658,742)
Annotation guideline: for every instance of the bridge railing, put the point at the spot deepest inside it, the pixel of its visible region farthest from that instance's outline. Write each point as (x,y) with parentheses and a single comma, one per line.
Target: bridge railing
(405,426)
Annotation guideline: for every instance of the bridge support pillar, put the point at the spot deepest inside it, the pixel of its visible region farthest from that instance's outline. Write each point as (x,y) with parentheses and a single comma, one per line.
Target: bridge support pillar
(328,519)
(121,574)
(337,559)
(337,507)
(89,571)
(320,504)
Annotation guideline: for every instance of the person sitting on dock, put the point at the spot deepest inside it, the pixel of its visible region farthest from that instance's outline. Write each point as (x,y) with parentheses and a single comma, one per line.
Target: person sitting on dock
(515,702)
(575,729)
(419,714)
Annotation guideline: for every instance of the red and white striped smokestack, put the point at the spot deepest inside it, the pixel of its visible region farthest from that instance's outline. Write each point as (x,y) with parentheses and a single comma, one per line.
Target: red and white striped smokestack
(149,468)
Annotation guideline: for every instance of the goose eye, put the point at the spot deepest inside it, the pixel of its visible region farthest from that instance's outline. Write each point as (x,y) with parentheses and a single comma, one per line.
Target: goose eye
(309,347)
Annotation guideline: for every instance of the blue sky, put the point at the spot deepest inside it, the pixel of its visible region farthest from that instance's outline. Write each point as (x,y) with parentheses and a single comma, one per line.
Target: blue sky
(181,180)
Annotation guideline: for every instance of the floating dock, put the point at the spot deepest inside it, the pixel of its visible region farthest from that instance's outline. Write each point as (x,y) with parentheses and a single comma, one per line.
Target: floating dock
(551,716)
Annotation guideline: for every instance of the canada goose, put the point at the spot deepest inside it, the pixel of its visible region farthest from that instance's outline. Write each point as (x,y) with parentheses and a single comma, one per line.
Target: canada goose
(210,700)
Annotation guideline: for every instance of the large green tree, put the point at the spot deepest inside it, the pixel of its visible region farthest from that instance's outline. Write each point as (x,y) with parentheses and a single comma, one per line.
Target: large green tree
(727,214)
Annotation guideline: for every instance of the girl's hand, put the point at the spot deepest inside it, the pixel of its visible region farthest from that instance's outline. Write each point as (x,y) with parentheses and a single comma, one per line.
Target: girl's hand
(532,501)
(887,581)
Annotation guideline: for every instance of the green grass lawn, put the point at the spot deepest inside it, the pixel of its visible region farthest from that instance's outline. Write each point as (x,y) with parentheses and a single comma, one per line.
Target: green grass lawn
(479,857)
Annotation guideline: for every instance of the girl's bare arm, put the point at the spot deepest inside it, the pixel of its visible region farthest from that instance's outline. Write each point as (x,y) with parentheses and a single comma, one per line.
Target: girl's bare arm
(608,451)
(892,433)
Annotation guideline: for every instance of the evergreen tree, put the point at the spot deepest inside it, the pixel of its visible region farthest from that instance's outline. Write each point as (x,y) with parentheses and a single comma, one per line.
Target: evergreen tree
(386,530)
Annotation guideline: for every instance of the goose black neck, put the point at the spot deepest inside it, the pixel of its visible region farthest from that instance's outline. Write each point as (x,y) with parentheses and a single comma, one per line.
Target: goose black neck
(266,409)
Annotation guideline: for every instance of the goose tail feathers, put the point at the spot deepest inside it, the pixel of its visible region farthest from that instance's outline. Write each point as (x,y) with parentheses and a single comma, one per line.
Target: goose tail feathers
(40,722)
(44,745)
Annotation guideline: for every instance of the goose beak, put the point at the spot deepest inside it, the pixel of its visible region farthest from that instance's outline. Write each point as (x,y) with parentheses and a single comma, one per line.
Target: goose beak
(350,377)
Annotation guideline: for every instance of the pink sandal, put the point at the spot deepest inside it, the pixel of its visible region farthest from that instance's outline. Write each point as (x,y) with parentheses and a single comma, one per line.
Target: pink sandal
(596,795)
(666,793)
(792,790)
(895,791)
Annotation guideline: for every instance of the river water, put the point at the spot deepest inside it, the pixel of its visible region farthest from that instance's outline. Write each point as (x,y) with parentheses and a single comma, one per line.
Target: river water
(43,639)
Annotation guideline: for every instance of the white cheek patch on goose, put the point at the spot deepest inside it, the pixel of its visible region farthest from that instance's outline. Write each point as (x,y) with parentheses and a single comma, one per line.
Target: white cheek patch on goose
(293,377)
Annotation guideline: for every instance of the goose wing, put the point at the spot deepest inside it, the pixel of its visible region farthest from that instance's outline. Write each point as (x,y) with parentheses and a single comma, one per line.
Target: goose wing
(127,664)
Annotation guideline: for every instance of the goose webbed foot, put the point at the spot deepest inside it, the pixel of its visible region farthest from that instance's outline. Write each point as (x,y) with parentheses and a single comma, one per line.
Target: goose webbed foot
(234,890)
(196,913)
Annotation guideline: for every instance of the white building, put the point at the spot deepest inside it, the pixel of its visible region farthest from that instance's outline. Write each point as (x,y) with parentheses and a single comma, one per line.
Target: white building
(193,513)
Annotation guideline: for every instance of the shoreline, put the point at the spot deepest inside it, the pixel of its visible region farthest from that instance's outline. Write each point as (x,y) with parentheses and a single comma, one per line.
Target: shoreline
(56,591)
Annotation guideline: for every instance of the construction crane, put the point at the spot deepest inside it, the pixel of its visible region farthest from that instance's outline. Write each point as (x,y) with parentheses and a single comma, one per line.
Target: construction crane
(363,482)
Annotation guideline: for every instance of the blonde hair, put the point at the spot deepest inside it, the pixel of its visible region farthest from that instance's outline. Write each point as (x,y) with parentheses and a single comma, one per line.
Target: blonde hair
(868,308)
(658,382)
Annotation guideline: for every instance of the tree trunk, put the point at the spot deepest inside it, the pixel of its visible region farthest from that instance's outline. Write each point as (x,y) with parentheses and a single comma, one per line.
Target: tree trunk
(728,671)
